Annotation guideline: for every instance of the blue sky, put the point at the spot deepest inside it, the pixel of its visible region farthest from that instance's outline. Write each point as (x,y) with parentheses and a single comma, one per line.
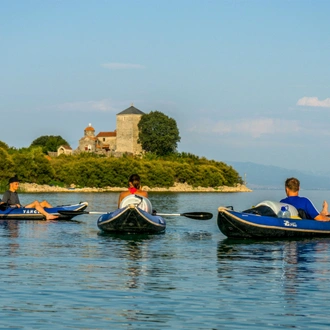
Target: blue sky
(244,80)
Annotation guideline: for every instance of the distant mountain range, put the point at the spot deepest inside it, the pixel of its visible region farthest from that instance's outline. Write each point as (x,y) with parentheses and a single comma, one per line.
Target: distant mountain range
(259,176)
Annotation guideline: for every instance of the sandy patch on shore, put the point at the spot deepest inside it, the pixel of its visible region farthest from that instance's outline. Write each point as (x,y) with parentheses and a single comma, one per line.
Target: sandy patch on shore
(178,187)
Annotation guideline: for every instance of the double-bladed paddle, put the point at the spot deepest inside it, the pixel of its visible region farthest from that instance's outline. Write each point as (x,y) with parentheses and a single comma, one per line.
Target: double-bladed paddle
(191,215)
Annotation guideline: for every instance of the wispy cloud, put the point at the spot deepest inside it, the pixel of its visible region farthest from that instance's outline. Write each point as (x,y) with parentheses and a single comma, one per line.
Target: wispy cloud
(252,127)
(122,66)
(87,106)
(313,102)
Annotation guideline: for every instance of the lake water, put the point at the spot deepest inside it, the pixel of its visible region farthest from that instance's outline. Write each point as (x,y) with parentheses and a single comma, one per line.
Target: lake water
(67,275)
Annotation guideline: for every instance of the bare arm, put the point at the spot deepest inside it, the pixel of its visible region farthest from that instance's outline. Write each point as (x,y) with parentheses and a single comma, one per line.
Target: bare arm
(122,196)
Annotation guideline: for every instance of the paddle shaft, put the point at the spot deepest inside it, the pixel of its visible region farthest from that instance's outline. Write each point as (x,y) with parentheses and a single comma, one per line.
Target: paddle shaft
(95,212)
(169,214)
(74,213)
(192,215)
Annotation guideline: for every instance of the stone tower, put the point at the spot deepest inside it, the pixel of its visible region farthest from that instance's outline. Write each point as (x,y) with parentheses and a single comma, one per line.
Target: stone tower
(127,130)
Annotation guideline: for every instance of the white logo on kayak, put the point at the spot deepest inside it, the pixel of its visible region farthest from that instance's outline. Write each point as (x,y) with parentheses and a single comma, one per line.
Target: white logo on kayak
(289,224)
(30,212)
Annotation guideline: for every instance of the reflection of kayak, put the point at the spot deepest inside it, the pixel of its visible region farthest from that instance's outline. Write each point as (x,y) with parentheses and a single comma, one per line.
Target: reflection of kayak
(32,214)
(262,222)
(133,216)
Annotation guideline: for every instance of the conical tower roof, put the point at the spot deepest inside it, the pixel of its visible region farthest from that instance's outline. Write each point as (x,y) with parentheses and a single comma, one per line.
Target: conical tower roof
(131,111)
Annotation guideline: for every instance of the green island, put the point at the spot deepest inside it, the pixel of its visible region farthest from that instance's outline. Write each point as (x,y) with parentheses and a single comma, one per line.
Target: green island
(44,167)
(181,172)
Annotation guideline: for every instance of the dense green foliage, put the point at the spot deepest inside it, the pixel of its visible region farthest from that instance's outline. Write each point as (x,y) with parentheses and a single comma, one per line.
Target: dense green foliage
(90,170)
(158,133)
(6,165)
(4,145)
(49,143)
(32,166)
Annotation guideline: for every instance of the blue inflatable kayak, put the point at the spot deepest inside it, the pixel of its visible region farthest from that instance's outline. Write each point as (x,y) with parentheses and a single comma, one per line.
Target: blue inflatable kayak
(262,222)
(32,214)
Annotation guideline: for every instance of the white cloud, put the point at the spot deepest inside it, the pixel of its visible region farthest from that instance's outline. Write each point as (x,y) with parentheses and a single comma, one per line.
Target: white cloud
(86,106)
(252,127)
(313,102)
(119,66)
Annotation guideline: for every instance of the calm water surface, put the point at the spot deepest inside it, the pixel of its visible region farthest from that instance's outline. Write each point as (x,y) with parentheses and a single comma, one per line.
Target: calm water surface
(67,275)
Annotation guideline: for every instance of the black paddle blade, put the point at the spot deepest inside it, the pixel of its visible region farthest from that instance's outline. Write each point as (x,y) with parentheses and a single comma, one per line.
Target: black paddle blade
(198,215)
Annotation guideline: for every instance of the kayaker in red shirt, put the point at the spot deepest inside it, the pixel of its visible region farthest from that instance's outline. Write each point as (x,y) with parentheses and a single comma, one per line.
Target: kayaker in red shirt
(134,188)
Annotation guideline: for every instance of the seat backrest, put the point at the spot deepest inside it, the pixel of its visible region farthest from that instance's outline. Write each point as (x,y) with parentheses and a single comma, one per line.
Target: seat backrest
(276,207)
(303,214)
(261,210)
(141,202)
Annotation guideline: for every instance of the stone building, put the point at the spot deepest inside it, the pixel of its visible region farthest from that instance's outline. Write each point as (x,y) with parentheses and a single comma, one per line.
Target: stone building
(122,140)
(66,150)
(88,141)
(106,141)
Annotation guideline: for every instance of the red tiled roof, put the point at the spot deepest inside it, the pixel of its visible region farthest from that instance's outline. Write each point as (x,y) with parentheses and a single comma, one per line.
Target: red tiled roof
(106,134)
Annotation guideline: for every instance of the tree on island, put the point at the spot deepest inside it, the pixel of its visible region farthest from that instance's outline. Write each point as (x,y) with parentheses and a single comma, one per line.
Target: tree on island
(158,133)
(49,143)
(4,145)
(33,166)
(6,164)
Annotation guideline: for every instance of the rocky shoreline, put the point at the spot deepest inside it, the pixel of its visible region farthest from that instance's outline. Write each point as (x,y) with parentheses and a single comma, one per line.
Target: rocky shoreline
(178,187)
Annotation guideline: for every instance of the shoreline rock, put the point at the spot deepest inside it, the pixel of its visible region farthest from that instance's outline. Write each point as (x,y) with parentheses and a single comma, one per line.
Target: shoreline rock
(178,187)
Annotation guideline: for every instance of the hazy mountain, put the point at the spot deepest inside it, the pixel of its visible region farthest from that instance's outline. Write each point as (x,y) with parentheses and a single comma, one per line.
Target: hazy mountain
(259,176)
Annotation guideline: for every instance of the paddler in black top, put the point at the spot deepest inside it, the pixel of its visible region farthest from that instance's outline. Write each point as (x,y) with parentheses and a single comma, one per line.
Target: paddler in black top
(11,199)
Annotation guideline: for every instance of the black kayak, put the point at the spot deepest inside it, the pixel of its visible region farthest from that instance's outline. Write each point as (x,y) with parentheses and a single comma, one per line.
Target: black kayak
(131,219)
